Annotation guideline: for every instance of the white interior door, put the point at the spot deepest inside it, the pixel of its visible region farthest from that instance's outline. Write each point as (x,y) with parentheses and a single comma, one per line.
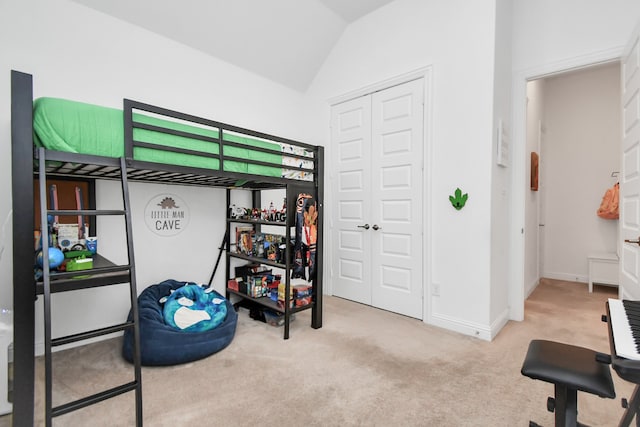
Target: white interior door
(378,185)
(630,174)
(396,212)
(351,136)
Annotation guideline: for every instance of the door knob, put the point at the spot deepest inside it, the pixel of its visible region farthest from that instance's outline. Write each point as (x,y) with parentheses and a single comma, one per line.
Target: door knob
(366,226)
(637,241)
(375,227)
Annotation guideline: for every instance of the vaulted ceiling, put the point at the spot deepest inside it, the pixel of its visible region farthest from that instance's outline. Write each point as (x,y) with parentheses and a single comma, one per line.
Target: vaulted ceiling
(286,41)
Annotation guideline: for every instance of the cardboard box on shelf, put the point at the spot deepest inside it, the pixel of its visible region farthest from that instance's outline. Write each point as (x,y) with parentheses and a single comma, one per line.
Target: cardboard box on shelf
(282,292)
(302,295)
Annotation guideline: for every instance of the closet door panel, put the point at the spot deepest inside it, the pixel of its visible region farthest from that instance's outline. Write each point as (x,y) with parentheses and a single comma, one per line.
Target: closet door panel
(396,211)
(630,174)
(351,135)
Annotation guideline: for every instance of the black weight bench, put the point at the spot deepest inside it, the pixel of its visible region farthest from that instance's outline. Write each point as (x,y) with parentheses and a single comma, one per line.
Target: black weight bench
(570,369)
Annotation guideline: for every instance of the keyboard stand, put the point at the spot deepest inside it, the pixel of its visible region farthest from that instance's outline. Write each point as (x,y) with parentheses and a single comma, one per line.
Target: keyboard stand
(569,368)
(633,408)
(628,370)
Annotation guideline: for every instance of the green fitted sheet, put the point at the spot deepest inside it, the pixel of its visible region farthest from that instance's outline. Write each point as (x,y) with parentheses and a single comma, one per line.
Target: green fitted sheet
(76,127)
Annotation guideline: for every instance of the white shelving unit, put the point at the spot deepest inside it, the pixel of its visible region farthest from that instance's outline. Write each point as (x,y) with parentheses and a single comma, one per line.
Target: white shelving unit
(603,269)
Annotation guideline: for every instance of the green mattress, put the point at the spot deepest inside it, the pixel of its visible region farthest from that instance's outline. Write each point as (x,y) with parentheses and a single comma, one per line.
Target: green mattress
(75,127)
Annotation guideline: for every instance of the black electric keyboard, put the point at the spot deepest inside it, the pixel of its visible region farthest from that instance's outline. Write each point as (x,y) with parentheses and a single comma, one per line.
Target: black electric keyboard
(624,338)
(623,318)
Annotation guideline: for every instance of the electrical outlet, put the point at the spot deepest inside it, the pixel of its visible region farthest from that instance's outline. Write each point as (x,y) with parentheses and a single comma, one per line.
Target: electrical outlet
(435,289)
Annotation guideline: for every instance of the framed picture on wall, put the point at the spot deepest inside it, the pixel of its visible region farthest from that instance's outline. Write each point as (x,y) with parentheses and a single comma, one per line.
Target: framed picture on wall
(534,170)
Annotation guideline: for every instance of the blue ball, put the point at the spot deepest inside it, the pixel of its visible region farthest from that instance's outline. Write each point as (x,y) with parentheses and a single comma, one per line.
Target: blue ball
(55,258)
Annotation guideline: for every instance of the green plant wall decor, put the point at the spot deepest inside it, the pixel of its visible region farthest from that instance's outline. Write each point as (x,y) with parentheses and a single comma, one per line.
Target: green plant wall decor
(459,200)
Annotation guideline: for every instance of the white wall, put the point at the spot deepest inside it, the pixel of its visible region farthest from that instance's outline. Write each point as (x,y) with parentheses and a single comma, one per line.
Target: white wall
(501,177)
(456,38)
(187,256)
(548,37)
(78,53)
(550,31)
(535,132)
(581,148)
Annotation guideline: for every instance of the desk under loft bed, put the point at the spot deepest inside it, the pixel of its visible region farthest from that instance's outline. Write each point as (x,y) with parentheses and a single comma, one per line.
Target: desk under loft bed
(142,143)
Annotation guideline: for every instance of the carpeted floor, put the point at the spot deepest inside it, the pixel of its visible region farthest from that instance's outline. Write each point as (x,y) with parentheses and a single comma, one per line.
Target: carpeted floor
(365,367)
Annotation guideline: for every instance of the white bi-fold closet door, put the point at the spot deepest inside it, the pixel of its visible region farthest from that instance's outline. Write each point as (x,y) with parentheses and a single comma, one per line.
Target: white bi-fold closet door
(630,181)
(377,188)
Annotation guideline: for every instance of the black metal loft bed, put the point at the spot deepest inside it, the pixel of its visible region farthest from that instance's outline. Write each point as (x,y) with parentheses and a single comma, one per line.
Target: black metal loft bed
(25,166)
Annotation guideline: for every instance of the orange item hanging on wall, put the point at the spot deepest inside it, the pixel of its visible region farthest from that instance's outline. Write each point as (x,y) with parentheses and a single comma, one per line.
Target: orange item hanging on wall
(609,206)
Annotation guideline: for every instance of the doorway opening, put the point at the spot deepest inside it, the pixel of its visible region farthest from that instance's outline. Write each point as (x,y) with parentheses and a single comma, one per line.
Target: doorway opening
(573,126)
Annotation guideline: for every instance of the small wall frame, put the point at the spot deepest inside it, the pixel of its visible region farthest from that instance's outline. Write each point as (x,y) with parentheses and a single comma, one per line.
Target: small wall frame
(534,170)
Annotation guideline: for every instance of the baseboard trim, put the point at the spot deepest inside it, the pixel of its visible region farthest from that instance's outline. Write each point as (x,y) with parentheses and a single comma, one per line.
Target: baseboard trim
(462,326)
(567,277)
(499,323)
(531,288)
(39,349)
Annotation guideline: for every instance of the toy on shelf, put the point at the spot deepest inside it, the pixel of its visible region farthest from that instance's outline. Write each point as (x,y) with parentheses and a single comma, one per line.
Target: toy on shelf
(67,242)
(269,214)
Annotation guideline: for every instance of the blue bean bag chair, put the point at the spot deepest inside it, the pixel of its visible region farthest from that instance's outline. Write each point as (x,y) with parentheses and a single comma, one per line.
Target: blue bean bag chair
(179,323)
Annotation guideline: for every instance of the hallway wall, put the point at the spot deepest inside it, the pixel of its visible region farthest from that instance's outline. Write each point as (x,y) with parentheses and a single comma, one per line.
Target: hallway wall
(535,104)
(580,150)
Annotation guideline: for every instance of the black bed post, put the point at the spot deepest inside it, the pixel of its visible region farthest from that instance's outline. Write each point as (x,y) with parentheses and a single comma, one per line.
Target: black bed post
(316,320)
(127,115)
(24,290)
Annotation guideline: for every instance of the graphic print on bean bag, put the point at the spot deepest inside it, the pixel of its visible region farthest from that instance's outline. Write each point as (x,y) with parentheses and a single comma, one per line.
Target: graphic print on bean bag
(306,236)
(162,344)
(191,308)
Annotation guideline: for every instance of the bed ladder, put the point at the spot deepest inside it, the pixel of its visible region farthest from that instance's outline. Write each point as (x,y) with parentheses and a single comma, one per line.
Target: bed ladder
(104,274)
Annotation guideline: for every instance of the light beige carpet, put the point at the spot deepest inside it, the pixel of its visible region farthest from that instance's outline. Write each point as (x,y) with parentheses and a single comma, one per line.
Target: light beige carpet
(365,367)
